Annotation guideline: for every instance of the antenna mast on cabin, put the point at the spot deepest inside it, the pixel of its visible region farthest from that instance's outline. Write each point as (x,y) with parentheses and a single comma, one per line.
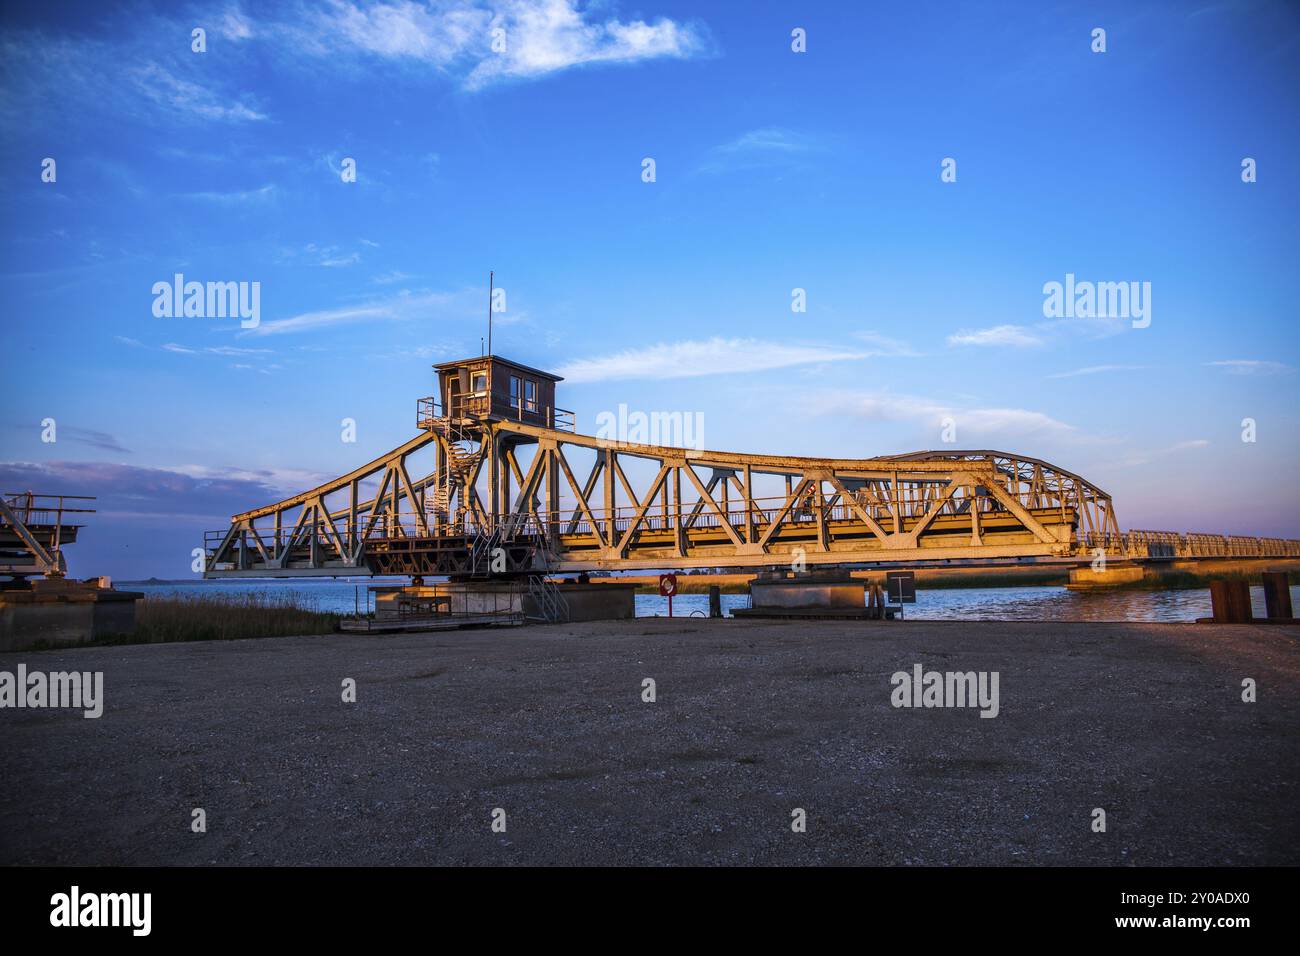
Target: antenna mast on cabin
(490,290)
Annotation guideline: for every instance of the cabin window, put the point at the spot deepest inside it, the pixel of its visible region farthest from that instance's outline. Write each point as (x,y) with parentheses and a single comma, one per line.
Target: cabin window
(515,390)
(479,386)
(530,395)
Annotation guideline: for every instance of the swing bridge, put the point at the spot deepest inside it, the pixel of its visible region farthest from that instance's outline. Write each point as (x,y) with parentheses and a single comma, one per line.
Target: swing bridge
(499,482)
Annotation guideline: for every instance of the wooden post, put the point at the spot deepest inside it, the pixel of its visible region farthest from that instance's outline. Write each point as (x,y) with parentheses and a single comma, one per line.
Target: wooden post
(1230,601)
(1277,595)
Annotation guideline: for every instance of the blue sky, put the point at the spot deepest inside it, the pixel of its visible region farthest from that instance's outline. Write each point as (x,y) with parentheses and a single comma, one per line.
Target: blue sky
(775,170)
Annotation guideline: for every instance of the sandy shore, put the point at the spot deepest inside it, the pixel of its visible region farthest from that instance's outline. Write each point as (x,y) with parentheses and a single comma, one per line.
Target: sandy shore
(751,721)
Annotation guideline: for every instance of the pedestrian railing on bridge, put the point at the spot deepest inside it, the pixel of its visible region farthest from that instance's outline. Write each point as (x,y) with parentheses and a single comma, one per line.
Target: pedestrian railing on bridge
(33,530)
(1171,544)
(429,411)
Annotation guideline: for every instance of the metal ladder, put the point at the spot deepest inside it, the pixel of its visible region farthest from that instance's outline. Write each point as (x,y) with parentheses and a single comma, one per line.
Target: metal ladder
(551,605)
(480,553)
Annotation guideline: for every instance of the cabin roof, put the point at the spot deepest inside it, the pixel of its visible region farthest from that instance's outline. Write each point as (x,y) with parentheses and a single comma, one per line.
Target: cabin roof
(497,359)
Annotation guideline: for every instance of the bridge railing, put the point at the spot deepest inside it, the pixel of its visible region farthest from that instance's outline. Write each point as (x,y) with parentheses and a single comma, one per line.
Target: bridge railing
(1172,544)
(34,528)
(36,509)
(427,410)
(569,520)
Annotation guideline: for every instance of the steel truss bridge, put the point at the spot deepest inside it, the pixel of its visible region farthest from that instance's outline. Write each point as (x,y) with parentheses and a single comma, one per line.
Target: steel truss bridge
(474,494)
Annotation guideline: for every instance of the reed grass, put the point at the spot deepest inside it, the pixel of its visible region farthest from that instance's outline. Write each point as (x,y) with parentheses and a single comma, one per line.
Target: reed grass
(224,618)
(1190,580)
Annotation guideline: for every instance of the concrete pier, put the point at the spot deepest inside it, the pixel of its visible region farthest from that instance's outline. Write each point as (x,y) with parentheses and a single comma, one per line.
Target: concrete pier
(1112,575)
(55,612)
(818,594)
(807,590)
(586,601)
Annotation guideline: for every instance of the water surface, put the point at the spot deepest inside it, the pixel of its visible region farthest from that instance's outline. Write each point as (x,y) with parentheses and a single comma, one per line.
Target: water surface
(969,604)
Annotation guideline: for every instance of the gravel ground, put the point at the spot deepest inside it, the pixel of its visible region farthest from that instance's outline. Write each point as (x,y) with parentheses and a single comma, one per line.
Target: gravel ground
(752,720)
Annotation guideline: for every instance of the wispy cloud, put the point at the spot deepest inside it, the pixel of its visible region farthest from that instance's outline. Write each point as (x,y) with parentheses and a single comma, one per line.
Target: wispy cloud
(82,436)
(230,350)
(1046,333)
(283,480)
(932,413)
(769,139)
(703,357)
(1149,455)
(89,436)
(419,352)
(134,71)
(456,37)
(331,257)
(1016,336)
(236,197)
(336,261)
(157,83)
(324,318)
(1252,367)
(400,307)
(140,67)
(544,36)
(885,345)
(1098,370)
(225,350)
(760,148)
(235,26)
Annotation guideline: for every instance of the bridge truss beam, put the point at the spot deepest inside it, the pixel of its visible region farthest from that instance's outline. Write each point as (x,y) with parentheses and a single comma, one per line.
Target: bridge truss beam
(574,502)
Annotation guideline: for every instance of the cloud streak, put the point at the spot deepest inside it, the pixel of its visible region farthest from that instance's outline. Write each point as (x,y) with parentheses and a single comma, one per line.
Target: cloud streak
(1016,336)
(768,146)
(1099,369)
(173,94)
(82,436)
(235,197)
(688,359)
(401,307)
(141,67)
(481,43)
(1251,367)
(933,413)
(1145,457)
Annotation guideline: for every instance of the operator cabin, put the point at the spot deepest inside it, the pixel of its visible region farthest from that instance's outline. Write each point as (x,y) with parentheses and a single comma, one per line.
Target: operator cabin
(497,388)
